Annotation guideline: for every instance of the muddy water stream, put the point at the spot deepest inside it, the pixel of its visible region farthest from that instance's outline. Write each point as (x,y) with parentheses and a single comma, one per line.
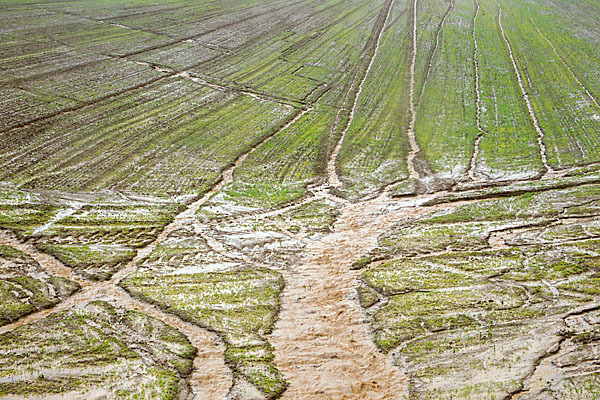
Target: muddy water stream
(321,340)
(481,132)
(210,379)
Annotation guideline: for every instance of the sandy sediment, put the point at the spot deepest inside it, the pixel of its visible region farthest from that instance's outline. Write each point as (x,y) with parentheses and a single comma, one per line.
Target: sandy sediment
(322,342)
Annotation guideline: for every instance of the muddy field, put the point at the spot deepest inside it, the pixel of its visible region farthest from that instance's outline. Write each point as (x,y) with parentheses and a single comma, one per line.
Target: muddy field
(299,199)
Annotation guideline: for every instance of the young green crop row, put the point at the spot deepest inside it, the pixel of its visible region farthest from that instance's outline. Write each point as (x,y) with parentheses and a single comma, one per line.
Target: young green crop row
(241,306)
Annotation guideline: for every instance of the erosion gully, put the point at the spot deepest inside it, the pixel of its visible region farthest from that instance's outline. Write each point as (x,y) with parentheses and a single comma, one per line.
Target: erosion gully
(378,31)
(480,131)
(210,379)
(322,340)
(412,140)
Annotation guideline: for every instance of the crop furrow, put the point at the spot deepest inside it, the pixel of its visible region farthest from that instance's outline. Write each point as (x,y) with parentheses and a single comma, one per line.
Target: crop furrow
(168,74)
(536,124)
(103,21)
(211,30)
(393,22)
(93,291)
(163,45)
(83,105)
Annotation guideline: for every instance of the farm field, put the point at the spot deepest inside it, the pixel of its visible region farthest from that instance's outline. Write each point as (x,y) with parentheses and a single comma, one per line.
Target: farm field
(299,199)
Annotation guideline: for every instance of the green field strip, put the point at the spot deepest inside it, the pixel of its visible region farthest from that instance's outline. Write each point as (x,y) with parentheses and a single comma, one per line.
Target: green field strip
(430,24)
(278,171)
(375,147)
(31,55)
(509,147)
(26,287)
(18,106)
(573,29)
(445,126)
(178,56)
(103,38)
(568,117)
(175,126)
(194,19)
(240,305)
(93,347)
(109,76)
(326,46)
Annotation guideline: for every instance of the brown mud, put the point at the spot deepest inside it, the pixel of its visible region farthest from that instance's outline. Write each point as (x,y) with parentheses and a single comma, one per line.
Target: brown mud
(412,140)
(321,340)
(210,378)
(481,132)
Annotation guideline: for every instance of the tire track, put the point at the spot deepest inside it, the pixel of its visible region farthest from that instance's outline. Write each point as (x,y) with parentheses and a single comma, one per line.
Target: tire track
(481,132)
(536,124)
(382,18)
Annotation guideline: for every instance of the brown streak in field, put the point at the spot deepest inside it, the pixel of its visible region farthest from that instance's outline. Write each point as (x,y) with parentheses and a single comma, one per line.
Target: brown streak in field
(47,262)
(213,380)
(414,146)
(544,368)
(473,162)
(333,177)
(210,378)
